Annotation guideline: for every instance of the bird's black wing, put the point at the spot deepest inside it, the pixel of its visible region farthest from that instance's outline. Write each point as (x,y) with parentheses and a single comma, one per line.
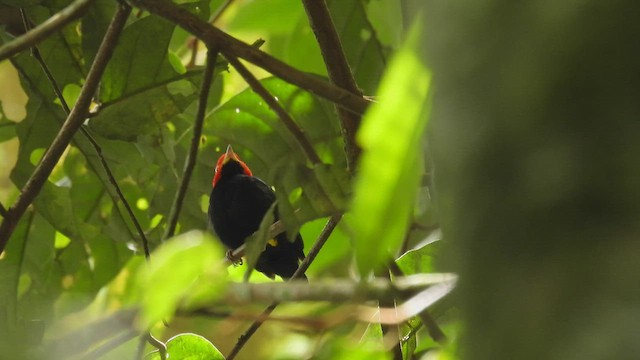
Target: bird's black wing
(237,207)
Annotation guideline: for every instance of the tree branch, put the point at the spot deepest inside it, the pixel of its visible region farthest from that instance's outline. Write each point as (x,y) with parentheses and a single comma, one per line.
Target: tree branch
(230,46)
(35,52)
(72,124)
(322,239)
(338,70)
(42,31)
(275,106)
(334,290)
(3,211)
(190,161)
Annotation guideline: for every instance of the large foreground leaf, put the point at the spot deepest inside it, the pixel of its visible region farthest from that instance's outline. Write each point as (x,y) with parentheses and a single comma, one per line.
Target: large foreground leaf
(389,172)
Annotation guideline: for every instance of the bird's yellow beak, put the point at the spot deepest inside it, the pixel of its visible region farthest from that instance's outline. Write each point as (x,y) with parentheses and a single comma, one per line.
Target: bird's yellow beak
(230,155)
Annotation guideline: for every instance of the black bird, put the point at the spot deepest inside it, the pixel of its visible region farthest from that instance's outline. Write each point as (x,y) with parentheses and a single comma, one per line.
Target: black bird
(237,205)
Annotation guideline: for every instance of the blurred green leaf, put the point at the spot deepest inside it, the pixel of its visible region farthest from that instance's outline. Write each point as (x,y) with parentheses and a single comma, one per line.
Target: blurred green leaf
(188,347)
(178,268)
(389,172)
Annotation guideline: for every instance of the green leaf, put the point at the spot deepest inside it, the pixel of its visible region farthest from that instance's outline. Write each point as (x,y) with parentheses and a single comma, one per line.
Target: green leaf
(139,60)
(257,243)
(94,26)
(421,258)
(7,130)
(389,173)
(256,16)
(138,114)
(183,265)
(188,347)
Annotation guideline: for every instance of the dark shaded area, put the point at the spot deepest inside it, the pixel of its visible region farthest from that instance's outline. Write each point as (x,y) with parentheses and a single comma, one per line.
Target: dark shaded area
(536,133)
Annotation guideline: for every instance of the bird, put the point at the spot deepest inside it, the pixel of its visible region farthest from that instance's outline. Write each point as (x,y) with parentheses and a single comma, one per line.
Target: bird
(237,204)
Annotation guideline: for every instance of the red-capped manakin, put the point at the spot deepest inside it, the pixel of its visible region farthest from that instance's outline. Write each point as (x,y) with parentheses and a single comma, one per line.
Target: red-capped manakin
(237,205)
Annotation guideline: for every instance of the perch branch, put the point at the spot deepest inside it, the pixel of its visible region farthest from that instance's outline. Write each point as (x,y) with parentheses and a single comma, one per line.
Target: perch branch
(42,31)
(275,106)
(75,119)
(338,71)
(190,161)
(35,52)
(334,290)
(230,46)
(322,239)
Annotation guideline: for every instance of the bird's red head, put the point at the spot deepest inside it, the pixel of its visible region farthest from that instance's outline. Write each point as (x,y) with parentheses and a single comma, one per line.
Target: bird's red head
(224,159)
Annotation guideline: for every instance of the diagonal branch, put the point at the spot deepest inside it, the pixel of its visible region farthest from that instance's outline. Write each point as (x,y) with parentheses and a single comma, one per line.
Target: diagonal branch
(75,119)
(322,239)
(3,211)
(230,46)
(275,106)
(35,52)
(42,31)
(338,70)
(190,161)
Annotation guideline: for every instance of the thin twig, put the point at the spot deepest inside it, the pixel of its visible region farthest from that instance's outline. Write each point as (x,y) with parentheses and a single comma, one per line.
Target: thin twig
(429,322)
(275,106)
(35,52)
(42,31)
(75,119)
(322,239)
(190,161)
(231,46)
(162,348)
(338,71)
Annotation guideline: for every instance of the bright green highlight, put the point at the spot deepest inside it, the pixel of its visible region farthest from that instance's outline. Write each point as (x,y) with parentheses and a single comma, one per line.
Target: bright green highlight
(390,165)
(188,347)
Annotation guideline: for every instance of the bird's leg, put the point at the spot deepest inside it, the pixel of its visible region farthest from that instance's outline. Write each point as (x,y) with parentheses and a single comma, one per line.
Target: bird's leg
(234,260)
